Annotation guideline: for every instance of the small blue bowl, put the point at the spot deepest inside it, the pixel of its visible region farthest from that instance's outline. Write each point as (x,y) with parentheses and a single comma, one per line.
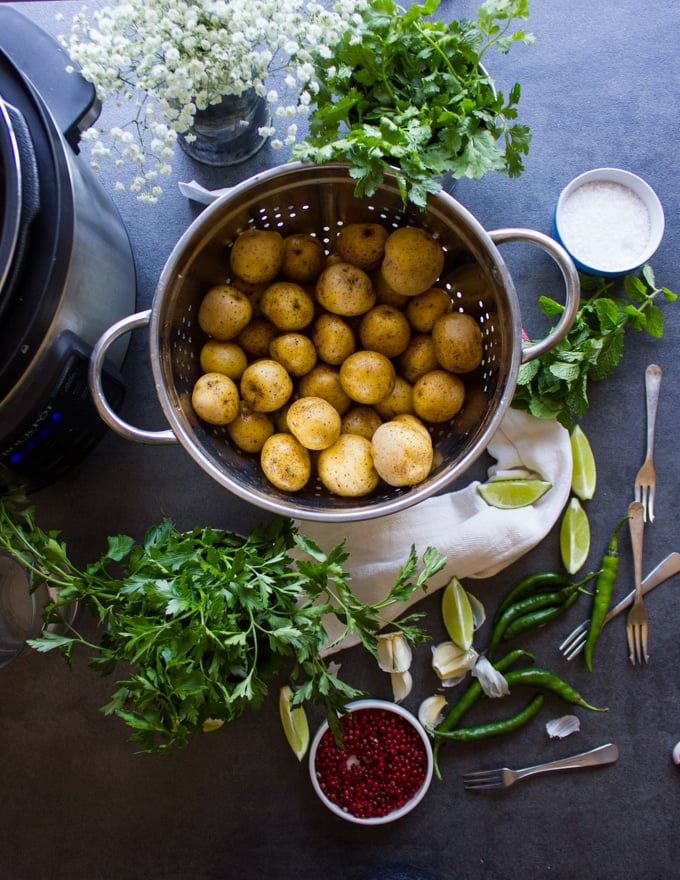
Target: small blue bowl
(610,221)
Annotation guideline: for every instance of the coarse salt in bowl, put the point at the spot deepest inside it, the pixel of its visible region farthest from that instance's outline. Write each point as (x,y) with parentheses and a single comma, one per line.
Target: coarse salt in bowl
(610,221)
(384,769)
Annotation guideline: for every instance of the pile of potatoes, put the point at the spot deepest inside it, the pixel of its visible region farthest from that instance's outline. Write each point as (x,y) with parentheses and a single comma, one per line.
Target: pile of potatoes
(334,365)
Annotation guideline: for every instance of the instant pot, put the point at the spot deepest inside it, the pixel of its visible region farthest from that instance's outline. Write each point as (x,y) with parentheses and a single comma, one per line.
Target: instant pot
(66,266)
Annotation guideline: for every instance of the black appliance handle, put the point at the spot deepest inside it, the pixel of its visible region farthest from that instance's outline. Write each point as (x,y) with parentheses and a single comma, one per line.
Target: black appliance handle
(21,202)
(40,59)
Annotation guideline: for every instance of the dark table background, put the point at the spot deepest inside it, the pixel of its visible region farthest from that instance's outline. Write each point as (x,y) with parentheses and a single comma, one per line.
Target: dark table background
(600,87)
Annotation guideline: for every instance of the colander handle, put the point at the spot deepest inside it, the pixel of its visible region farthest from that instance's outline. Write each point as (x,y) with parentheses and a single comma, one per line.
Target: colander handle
(571,282)
(108,414)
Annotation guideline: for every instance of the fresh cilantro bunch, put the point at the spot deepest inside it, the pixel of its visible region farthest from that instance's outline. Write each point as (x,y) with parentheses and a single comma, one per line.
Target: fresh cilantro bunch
(404,93)
(555,385)
(199,622)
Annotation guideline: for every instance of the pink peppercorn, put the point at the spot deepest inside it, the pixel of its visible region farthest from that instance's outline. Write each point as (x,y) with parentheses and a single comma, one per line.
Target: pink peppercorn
(381,766)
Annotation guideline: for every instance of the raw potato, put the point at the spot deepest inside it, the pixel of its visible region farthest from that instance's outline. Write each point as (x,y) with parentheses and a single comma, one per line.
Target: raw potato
(385,329)
(215,398)
(413,261)
(458,342)
(438,396)
(223,357)
(385,294)
(367,376)
(399,401)
(419,358)
(256,338)
(287,305)
(333,339)
(469,284)
(402,454)
(295,352)
(344,289)
(257,255)
(423,310)
(265,385)
(361,420)
(324,381)
(363,245)
(250,429)
(224,312)
(304,258)
(346,468)
(314,422)
(285,462)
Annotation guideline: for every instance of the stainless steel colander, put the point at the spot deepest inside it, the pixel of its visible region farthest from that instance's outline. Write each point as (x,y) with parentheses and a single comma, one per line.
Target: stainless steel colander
(320,199)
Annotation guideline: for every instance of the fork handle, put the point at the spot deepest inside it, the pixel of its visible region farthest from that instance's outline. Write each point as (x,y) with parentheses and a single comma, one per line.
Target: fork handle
(637,531)
(653,375)
(605,754)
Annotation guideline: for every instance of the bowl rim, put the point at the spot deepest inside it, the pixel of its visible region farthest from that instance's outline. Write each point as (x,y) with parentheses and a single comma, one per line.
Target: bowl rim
(395,708)
(637,185)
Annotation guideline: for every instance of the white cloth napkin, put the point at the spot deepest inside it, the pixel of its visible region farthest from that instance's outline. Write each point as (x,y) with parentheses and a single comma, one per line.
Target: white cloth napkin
(478,540)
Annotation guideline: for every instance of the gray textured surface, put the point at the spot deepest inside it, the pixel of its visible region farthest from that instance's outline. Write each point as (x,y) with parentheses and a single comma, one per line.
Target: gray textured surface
(600,87)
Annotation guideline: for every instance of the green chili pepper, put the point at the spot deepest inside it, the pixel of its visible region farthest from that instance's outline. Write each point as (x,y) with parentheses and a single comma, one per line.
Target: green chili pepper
(548,681)
(540,582)
(468,698)
(474,691)
(604,589)
(496,728)
(537,618)
(530,604)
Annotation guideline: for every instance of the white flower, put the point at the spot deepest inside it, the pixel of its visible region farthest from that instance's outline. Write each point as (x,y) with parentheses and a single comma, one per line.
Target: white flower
(169,58)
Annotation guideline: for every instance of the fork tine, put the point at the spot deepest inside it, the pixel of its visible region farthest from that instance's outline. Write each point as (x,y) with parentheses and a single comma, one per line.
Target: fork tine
(483,779)
(630,637)
(650,503)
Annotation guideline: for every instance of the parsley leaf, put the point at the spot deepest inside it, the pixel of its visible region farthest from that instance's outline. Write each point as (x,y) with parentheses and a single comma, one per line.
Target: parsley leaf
(406,94)
(201,621)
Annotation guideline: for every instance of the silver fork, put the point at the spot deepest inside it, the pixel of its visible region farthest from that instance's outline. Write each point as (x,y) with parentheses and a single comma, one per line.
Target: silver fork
(503,777)
(576,640)
(645,481)
(637,626)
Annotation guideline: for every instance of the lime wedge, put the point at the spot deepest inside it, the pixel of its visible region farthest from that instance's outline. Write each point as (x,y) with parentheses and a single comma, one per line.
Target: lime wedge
(584,474)
(457,614)
(508,494)
(294,721)
(574,536)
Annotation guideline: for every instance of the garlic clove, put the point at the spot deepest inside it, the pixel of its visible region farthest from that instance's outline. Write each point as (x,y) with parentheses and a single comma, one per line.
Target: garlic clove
(676,753)
(558,728)
(394,652)
(449,661)
(402,684)
(431,711)
(492,681)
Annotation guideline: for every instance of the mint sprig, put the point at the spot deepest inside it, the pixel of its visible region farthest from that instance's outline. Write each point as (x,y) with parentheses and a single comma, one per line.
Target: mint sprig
(556,384)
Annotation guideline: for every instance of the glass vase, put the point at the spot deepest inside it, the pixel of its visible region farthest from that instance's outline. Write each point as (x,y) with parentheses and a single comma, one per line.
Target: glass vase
(228,133)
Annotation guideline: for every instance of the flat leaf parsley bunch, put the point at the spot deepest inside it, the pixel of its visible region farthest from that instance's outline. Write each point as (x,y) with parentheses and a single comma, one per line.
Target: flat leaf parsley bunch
(199,622)
(167,59)
(405,93)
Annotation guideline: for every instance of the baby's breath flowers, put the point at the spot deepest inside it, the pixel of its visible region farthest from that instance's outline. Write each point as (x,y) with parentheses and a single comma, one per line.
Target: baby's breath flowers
(168,59)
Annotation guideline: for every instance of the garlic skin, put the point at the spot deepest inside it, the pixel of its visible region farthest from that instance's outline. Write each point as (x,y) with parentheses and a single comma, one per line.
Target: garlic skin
(430,711)
(402,684)
(676,753)
(451,663)
(558,728)
(394,652)
(492,681)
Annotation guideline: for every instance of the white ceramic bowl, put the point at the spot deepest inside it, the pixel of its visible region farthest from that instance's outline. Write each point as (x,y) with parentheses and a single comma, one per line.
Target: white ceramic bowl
(610,221)
(370,713)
